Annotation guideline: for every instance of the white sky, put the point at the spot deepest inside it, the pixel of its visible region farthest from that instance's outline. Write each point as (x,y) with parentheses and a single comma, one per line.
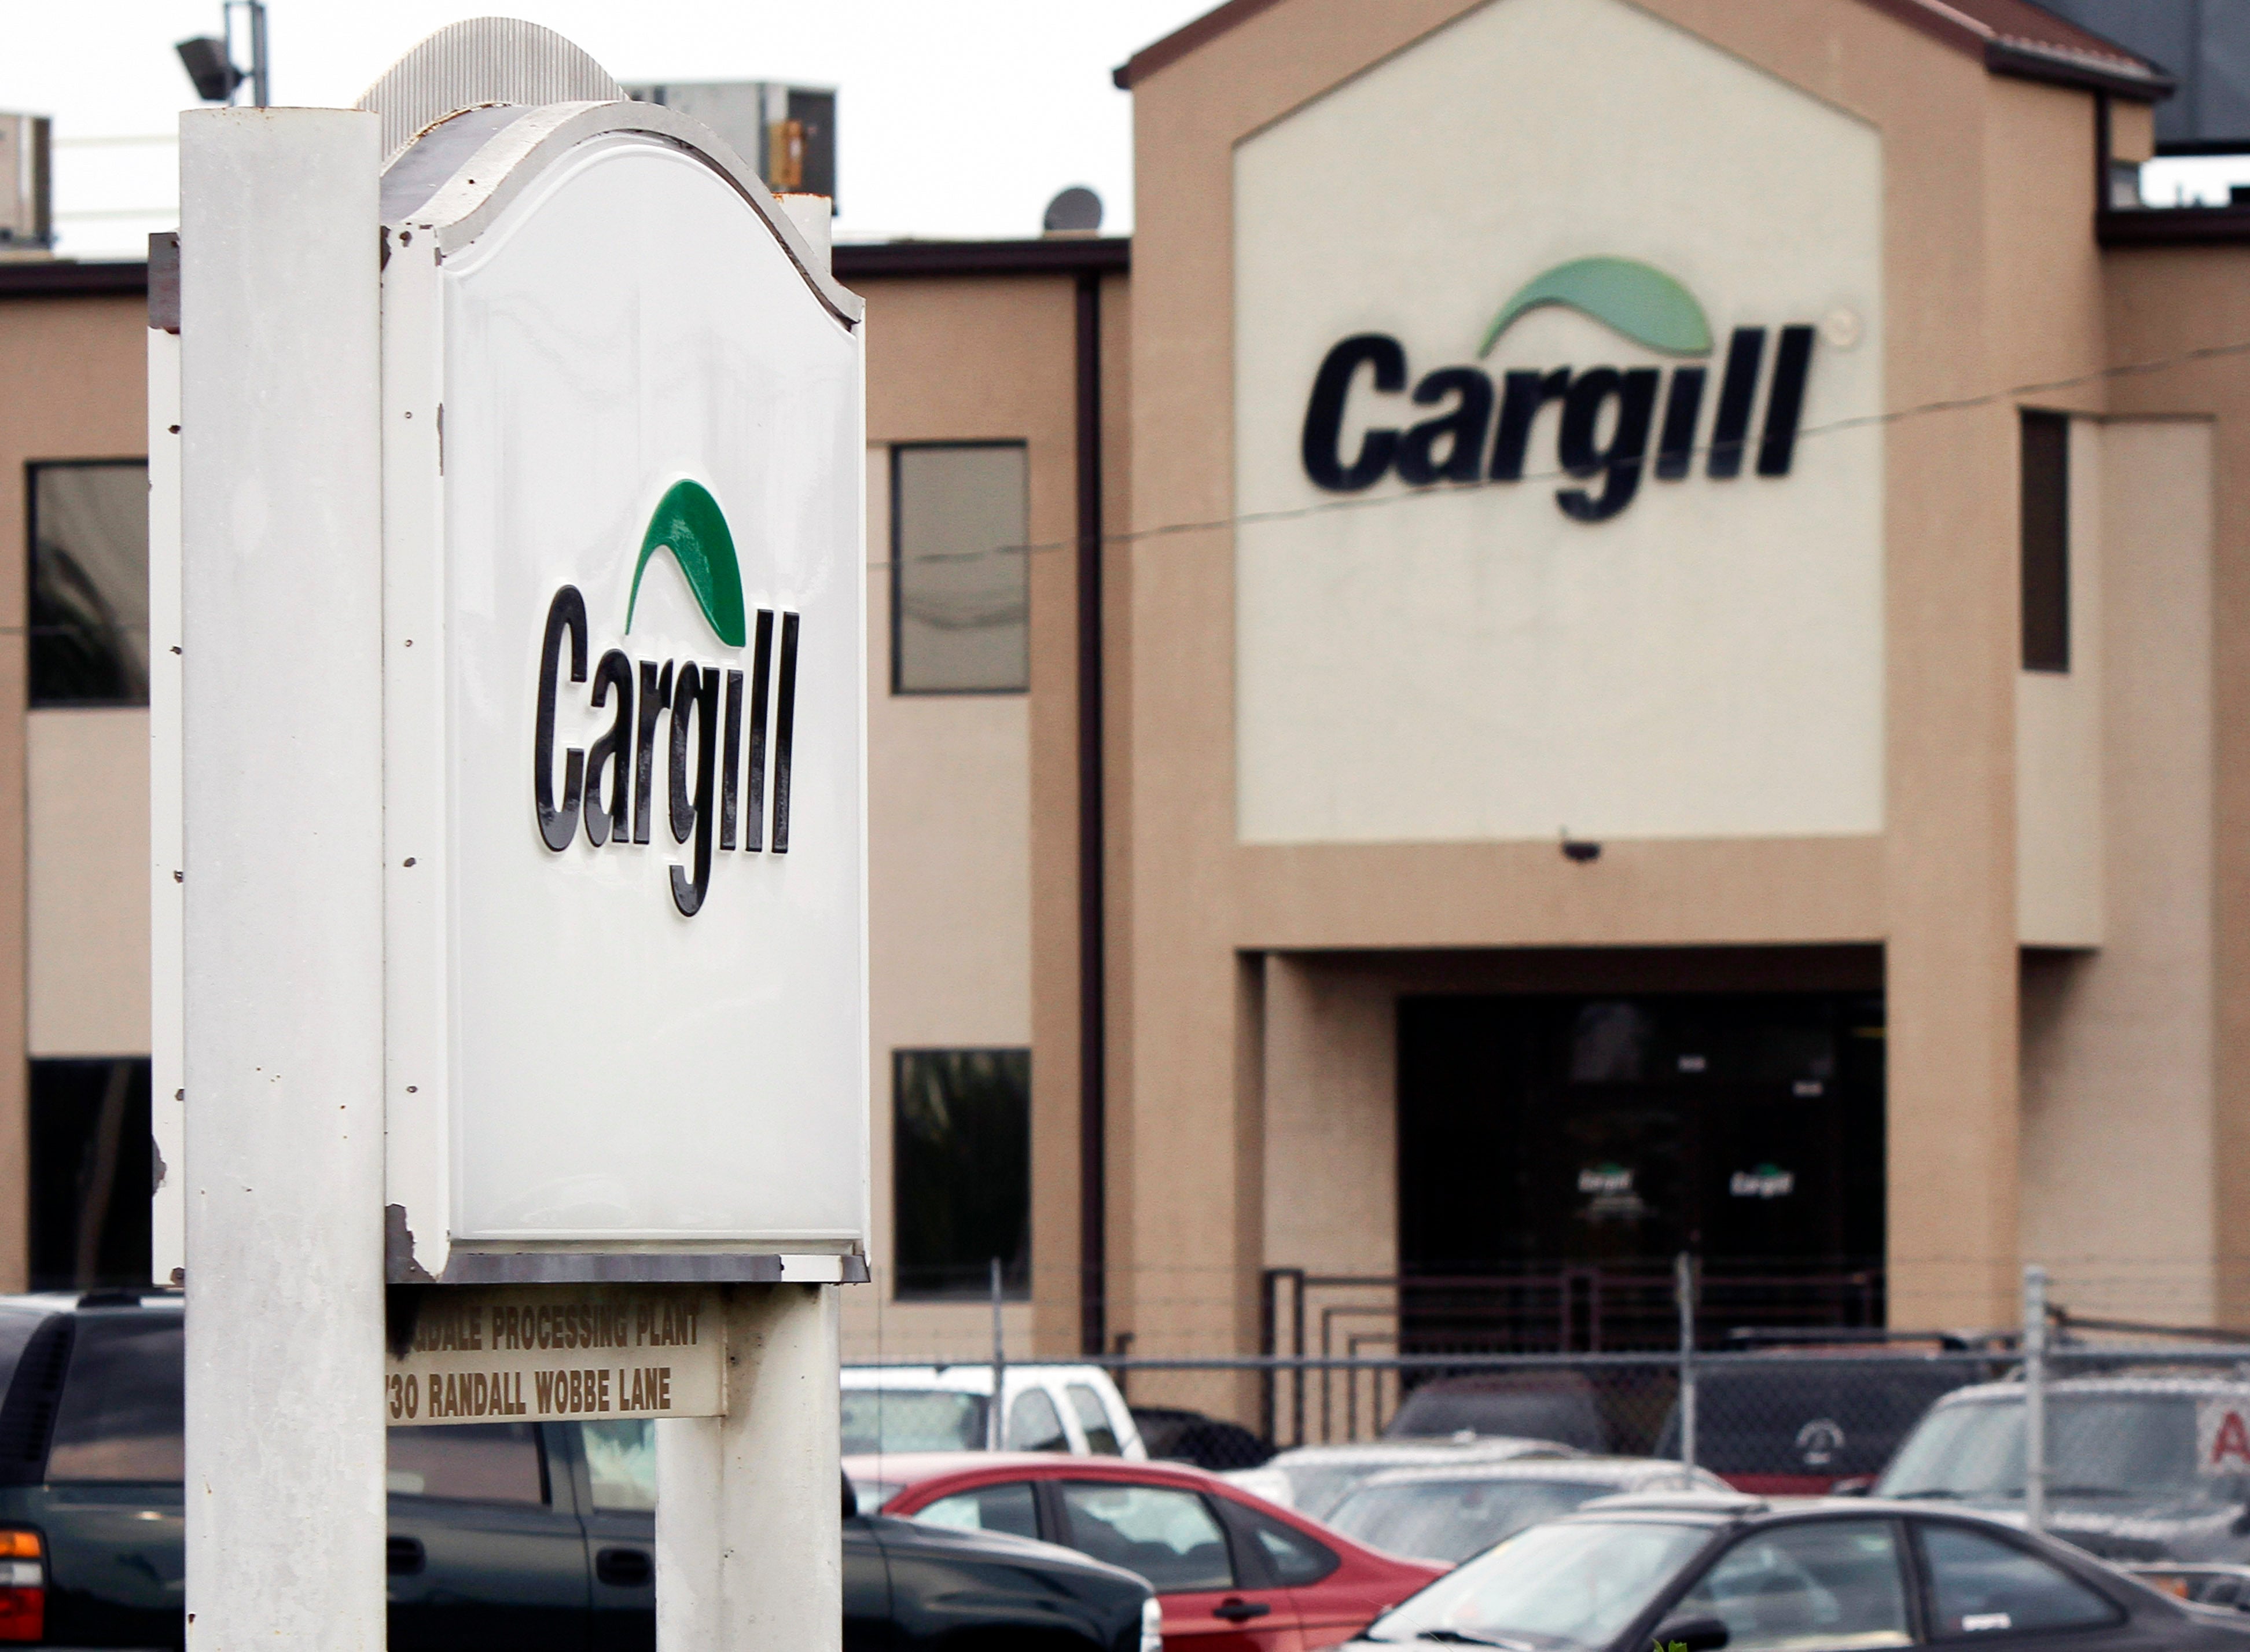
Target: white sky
(955,117)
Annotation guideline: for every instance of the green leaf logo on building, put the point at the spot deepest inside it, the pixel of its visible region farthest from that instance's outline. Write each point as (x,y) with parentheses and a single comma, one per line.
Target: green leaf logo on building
(701,748)
(688,522)
(1637,299)
(1614,427)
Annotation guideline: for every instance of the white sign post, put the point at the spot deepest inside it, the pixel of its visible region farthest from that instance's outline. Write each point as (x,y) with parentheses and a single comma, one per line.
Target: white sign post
(525,934)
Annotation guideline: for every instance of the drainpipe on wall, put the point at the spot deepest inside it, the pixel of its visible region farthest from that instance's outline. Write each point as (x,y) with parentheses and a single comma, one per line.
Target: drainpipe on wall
(1092,1032)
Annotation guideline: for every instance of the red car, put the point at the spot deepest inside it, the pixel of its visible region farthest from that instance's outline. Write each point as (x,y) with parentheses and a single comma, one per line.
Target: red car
(1234,1572)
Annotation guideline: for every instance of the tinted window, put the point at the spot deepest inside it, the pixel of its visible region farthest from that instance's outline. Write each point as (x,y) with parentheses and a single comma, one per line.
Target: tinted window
(988,1508)
(90,1173)
(878,1420)
(2046,528)
(1980,1584)
(470,1463)
(90,583)
(621,1463)
(121,1416)
(1826,1583)
(960,575)
(1033,1424)
(1292,1558)
(1092,1421)
(1169,1537)
(962,1170)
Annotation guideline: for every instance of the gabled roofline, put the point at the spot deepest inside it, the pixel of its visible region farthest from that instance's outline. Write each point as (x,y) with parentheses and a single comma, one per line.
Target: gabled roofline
(2122,74)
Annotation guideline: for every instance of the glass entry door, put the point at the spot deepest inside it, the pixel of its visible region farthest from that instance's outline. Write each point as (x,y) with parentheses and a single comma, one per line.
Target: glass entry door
(1556,1154)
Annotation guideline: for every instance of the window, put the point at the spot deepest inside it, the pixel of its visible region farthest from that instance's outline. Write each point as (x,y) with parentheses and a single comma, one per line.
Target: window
(1979,1585)
(1295,1560)
(123,1412)
(1170,1538)
(469,1462)
(1824,1583)
(1092,1421)
(960,575)
(989,1507)
(960,1170)
(89,596)
(621,1463)
(1034,1425)
(878,1420)
(91,1174)
(2046,541)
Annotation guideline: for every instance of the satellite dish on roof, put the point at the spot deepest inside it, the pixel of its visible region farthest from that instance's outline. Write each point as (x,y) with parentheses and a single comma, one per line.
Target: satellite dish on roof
(1077,210)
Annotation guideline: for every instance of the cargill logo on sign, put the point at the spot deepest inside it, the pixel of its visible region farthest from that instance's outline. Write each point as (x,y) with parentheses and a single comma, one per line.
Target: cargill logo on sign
(1484,435)
(716,762)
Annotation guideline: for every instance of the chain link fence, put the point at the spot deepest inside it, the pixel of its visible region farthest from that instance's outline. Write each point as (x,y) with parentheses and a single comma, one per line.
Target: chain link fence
(2130,1440)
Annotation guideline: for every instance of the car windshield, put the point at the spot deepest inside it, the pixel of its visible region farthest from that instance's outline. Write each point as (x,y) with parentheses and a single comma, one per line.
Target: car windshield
(1450,1520)
(886,1420)
(1316,1488)
(2102,1447)
(1571,1585)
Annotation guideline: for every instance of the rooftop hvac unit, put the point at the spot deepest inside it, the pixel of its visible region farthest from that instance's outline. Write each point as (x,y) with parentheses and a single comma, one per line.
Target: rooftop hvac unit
(787,133)
(26,189)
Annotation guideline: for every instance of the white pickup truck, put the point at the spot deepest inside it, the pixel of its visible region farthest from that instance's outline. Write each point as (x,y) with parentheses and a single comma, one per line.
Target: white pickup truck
(1071,1409)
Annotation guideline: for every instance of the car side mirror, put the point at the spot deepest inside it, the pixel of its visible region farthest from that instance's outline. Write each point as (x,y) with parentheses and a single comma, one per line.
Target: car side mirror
(851,1497)
(1691,1635)
(1857,1486)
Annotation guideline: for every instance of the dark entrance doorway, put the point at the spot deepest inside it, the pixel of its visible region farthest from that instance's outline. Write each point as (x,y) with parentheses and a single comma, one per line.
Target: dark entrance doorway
(1556,1154)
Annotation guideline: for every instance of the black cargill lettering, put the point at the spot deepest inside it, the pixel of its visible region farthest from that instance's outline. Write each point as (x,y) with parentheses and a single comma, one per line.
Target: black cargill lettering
(663,1388)
(572,1404)
(479,1393)
(543,1388)
(517,1384)
(604,1404)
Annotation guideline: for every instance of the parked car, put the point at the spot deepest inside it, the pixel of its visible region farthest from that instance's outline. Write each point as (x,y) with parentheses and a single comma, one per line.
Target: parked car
(1705,1572)
(1075,1409)
(2126,1477)
(1446,1515)
(1223,1563)
(1534,1405)
(1174,1434)
(509,1536)
(1798,1422)
(1313,1479)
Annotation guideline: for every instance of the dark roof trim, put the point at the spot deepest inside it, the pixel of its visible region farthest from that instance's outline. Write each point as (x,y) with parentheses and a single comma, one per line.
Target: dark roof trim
(2002,52)
(2174,226)
(862,261)
(66,278)
(1183,40)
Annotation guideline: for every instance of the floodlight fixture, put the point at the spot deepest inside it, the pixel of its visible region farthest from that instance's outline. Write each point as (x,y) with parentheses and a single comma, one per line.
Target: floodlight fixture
(210,60)
(205,59)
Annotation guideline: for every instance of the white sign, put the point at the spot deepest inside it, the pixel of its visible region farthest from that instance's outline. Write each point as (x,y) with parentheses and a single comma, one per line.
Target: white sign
(624,790)
(2222,1437)
(546,1354)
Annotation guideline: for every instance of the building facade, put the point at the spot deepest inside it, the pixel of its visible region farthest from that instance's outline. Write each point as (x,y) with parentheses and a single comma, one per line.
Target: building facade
(1615,636)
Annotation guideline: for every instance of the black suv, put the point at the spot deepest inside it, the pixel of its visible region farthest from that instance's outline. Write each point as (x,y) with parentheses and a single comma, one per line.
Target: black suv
(503,1536)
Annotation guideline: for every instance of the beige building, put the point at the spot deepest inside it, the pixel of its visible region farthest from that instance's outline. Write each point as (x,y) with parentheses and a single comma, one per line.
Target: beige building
(1616,642)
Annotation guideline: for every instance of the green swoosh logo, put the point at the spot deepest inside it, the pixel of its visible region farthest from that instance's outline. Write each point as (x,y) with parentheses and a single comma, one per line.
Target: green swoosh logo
(1645,305)
(688,523)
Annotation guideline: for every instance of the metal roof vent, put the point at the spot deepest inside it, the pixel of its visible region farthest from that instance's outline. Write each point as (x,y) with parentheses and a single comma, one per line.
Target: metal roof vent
(485,61)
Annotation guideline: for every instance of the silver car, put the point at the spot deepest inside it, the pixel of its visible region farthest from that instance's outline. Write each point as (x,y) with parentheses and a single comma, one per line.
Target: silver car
(1313,1479)
(1448,1514)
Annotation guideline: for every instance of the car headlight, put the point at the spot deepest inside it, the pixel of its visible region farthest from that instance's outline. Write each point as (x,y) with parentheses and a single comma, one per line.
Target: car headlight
(1152,1625)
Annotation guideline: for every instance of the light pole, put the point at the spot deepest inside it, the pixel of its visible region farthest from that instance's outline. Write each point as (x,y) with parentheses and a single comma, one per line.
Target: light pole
(209,58)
